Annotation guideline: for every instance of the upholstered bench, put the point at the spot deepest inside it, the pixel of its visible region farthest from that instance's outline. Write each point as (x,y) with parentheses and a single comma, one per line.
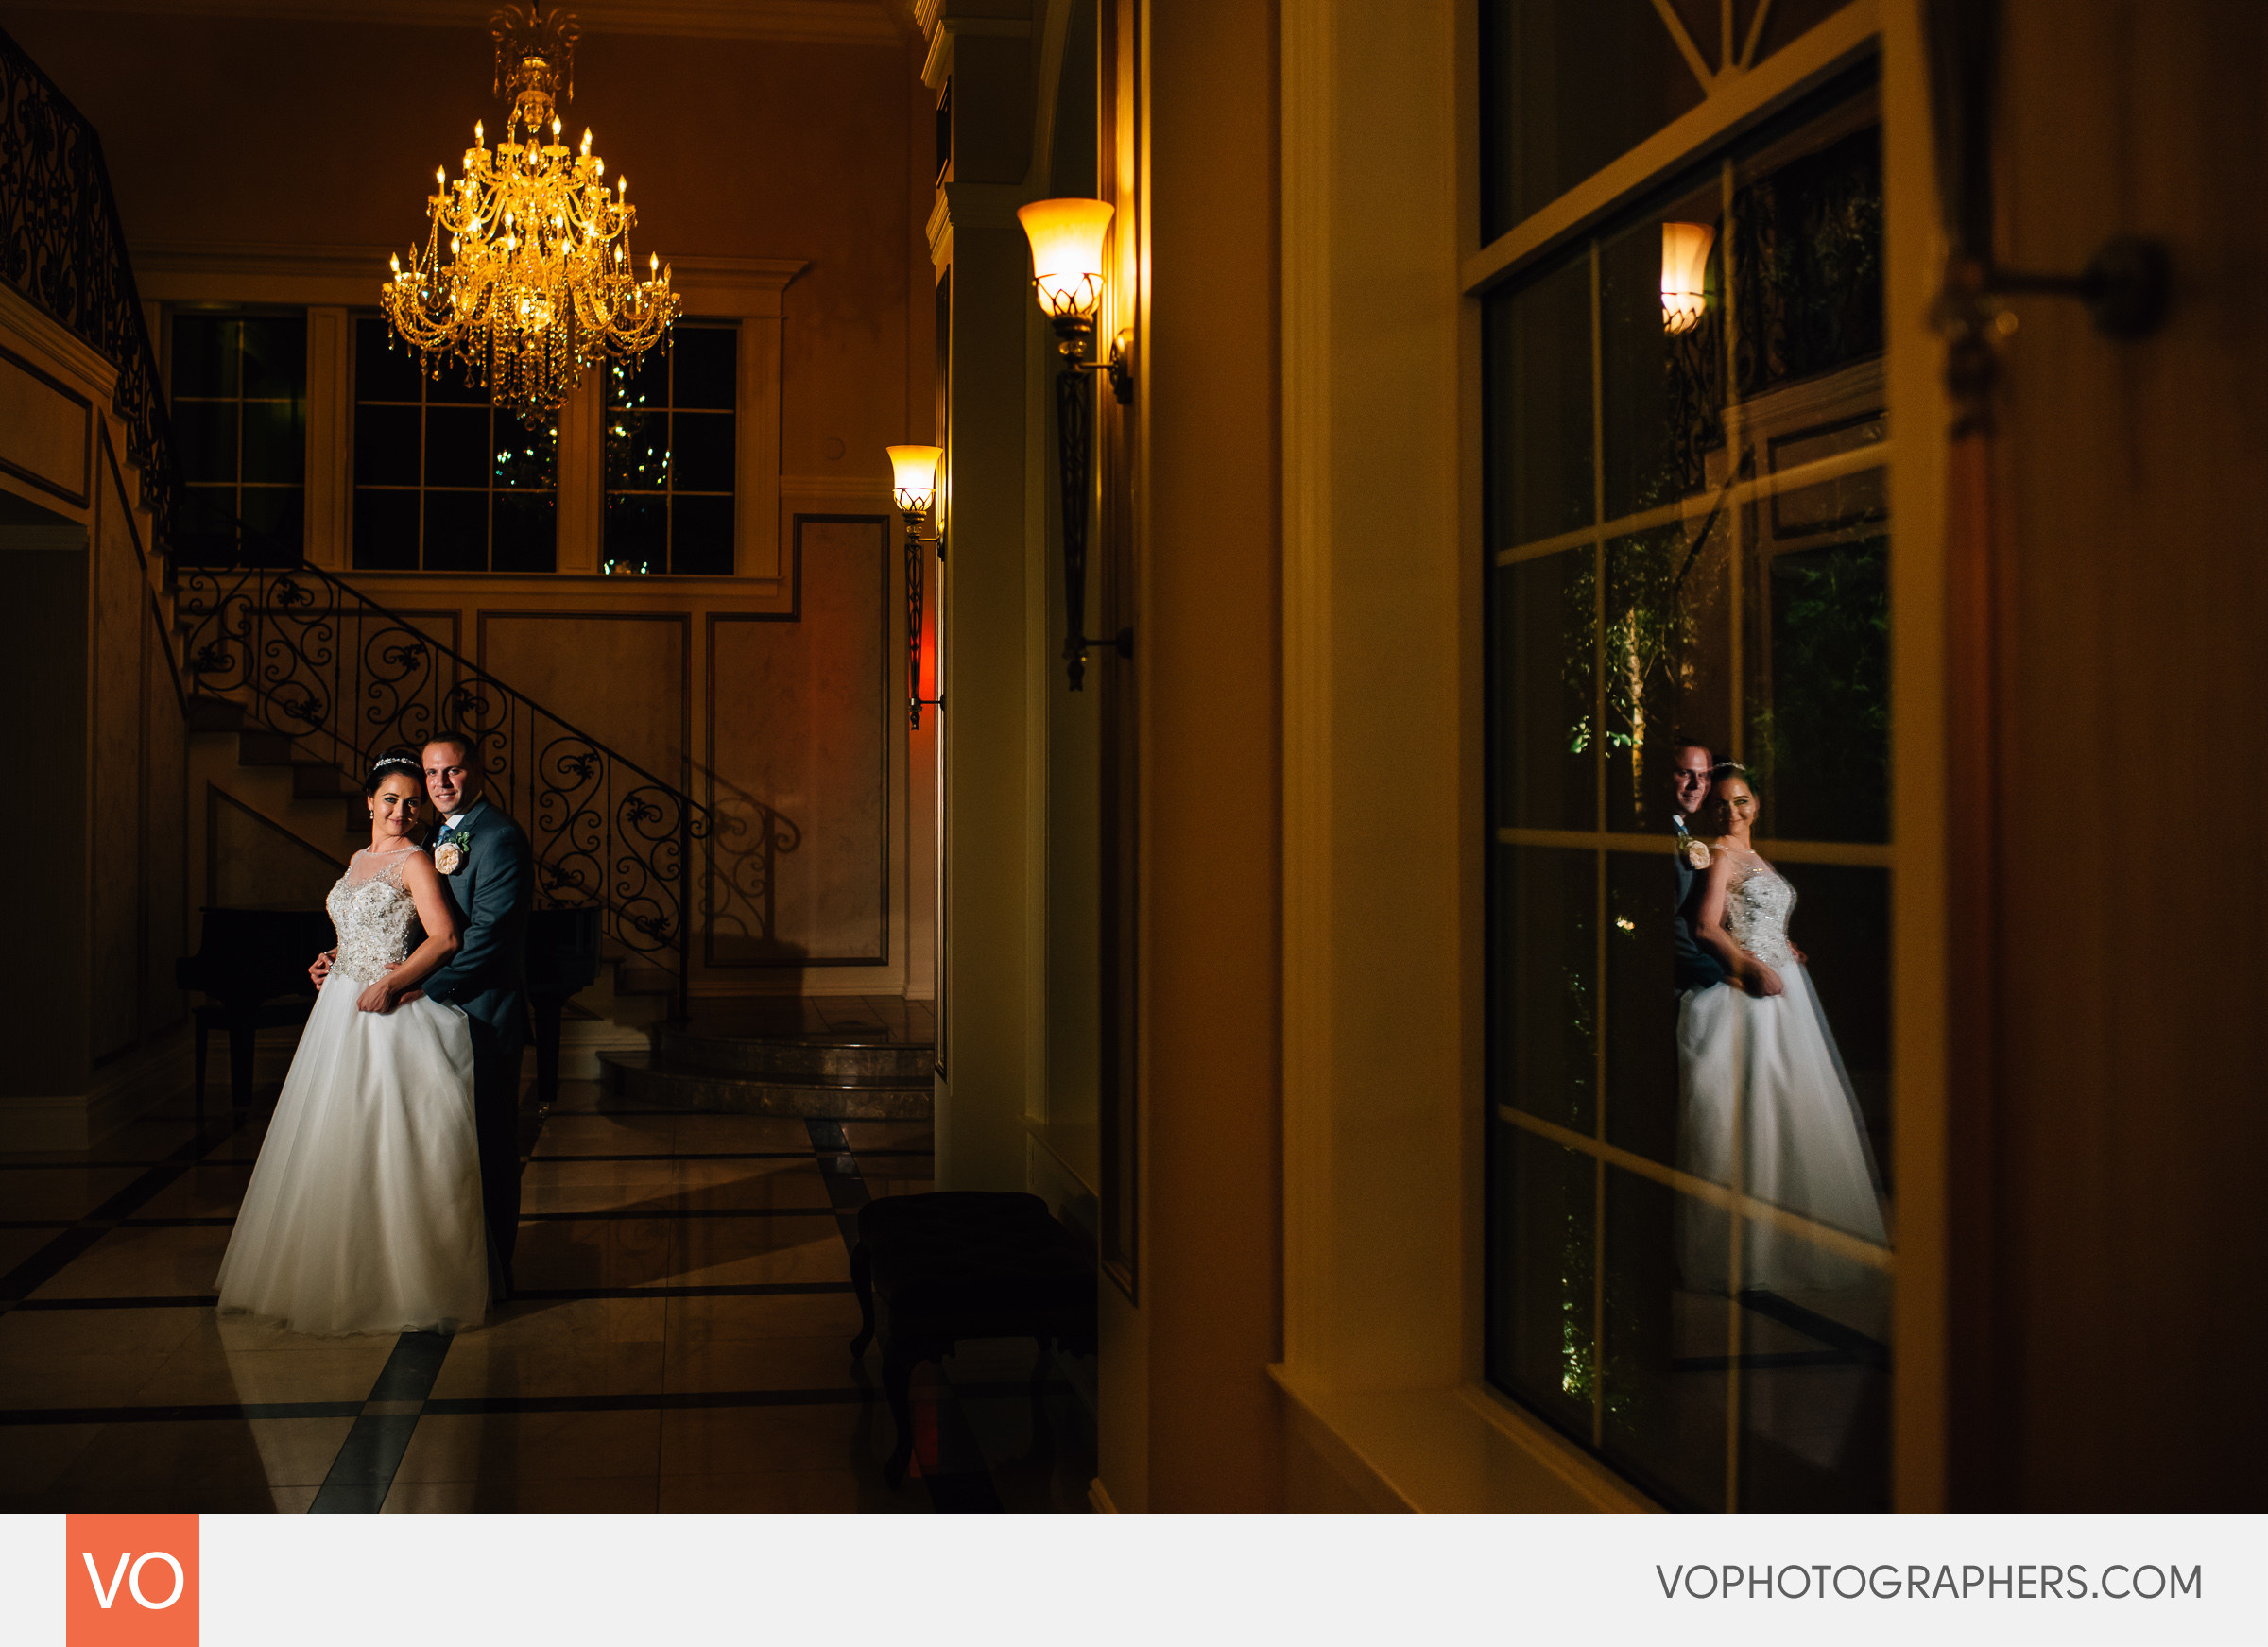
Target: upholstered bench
(931,1270)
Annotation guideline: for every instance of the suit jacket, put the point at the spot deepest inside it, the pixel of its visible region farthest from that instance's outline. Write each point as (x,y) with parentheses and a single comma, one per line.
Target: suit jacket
(1697,968)
(493,889)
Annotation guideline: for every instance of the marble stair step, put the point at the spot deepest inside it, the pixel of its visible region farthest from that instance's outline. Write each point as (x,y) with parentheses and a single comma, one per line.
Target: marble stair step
(830,1056)
(637,1080)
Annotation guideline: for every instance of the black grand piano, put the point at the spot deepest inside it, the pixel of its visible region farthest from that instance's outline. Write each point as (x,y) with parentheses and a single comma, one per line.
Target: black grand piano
(252,965)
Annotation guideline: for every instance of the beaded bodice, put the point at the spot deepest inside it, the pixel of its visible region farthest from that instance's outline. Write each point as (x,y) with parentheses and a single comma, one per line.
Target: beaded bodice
(1757,906)
(373,913)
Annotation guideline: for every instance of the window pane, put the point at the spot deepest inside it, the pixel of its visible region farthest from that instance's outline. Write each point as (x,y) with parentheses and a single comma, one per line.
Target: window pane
(705,369)
(1539,388)
(1543,662)
(275,441)
(1541,1252)
(637,449)
(1567,85)
(1664,391)
(637,533)
(276,512)
(1641,1003)
(1669,665)
(1545,1047)
(456,446)
(526,532)
(275,357)
(386,530)
(700,536)
(385,445)
(457,531)
(1667,1351)
(454,386)
(204,436)
(701,456)
(204,535)
(1820,693)
(204,356)
(643,385)
(384,371)
(522,456)
(1807,252)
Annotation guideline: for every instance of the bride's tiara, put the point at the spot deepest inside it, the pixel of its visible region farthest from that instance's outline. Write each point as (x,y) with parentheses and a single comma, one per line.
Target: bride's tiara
(401,760)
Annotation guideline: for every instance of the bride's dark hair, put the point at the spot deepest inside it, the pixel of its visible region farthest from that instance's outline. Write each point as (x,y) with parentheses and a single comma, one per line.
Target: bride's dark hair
(396,759)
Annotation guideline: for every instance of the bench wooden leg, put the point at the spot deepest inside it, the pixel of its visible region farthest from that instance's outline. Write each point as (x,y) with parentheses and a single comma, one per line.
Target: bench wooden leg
(897,1386)
(862,1282)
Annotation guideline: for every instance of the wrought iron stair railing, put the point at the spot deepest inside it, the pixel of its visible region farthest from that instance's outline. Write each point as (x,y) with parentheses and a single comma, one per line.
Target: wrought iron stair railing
(63,246)
(307,654)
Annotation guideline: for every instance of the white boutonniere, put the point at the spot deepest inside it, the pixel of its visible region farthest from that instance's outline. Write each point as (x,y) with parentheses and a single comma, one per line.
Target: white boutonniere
(1695,851)
(449,853)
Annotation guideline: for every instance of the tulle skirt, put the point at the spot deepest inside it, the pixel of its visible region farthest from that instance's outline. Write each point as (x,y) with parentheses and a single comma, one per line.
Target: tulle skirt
(364,1211)
(1767,1066)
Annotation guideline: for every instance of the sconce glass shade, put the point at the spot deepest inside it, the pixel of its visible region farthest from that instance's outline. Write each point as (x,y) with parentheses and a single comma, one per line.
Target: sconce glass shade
(1684,273)
(1066,252)
(915,468)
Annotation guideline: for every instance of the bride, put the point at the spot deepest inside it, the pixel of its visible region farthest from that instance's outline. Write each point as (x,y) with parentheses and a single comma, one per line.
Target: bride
(1756,1059)
(364,1211)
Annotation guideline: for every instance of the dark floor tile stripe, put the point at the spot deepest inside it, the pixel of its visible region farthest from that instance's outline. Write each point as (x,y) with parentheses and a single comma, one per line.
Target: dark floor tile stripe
(162,1301)
(692,1400)
(643,1214)
(737,1290)
(45,1264)
(684,1154)
(176,1415)
(363,1473)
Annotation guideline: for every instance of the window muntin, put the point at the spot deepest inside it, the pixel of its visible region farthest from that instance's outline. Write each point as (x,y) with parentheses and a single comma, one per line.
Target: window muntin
(671,454)
(1689,532)
(240,429)
(443,482)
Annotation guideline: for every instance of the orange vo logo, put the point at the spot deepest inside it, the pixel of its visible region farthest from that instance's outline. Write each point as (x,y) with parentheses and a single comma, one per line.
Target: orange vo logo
(131,1581)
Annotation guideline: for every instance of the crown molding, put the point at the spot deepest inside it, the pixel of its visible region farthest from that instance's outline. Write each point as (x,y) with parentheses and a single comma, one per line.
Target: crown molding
(187,272)
(804,22)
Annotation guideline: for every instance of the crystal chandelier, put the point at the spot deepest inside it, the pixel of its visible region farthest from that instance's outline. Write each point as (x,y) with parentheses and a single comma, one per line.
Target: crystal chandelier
(537,282)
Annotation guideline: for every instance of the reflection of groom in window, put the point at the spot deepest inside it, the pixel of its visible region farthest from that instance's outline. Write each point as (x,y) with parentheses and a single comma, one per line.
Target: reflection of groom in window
(1691,767)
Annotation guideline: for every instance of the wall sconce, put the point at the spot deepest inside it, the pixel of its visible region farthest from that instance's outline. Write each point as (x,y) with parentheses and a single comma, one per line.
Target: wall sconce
(1684,274)
(914,473)
(1068,276)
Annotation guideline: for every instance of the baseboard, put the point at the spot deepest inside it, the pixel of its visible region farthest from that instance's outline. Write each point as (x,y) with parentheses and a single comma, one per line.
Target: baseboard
(126,1088)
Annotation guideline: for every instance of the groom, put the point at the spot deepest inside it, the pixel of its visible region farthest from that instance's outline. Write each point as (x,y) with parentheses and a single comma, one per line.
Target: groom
(488,873)
(1690,775)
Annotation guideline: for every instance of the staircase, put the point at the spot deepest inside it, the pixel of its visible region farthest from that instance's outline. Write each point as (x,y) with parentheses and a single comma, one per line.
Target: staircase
(772,1058)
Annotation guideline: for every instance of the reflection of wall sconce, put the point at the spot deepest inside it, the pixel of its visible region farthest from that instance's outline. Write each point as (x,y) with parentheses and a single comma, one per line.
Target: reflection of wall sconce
(1684,274)
(1067,273)
(914,473)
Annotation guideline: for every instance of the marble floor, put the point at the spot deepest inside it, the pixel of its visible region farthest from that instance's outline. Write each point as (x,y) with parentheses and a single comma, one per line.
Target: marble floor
(681,1342)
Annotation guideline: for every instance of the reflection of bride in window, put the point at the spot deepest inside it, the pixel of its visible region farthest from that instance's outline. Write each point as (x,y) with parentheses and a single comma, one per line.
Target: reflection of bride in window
(1756,1058)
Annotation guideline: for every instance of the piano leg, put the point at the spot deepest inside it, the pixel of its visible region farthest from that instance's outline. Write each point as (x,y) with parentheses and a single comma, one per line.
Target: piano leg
(241,1039)
(204,1034)
(549,1010)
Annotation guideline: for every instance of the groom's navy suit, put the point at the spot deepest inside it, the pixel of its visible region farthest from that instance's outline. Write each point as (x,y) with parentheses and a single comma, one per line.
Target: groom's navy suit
(1696,966)
(493,889)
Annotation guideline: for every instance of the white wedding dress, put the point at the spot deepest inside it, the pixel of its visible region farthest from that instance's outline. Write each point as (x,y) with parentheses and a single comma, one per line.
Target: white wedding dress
(1767,1065)
(364,1211)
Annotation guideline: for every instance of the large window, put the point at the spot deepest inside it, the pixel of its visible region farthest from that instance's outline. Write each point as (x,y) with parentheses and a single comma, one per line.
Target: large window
(443,482)
(240,432)
(672,454)
(1690,1251)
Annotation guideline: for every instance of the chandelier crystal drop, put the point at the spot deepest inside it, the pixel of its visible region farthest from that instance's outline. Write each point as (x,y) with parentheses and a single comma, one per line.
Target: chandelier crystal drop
(526,275)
